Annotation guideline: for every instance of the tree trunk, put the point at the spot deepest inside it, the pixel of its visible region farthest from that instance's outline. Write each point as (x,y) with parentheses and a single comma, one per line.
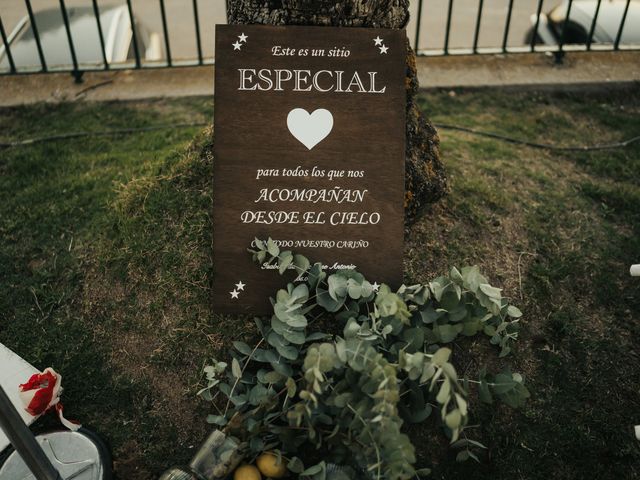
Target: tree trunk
(425,178)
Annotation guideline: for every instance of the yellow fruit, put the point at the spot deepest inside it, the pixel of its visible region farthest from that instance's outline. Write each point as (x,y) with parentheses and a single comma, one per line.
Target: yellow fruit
(247,472)
(269,466)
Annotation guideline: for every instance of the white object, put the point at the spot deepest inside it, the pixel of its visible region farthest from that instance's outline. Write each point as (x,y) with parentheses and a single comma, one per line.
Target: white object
(310,128)
(13,371)
(635,270)
(116,27)
(73,454)
(637,430)
(609,16)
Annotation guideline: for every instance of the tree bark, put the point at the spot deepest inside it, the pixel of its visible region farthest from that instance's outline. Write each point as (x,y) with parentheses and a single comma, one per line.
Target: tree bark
(425,177)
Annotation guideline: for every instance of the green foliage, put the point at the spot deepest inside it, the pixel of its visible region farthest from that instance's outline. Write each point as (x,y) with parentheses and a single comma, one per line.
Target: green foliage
(349,395)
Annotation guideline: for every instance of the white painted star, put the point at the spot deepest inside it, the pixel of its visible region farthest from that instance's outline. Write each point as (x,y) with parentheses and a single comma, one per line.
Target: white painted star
(234,293)
(377,41)
(243,37)
(237,45)
(240,285)
(383,49)
(375,286)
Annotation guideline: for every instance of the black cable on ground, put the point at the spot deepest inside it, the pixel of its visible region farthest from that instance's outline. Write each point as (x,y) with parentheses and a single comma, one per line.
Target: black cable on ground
(104,133)
(579,148)
(496,136)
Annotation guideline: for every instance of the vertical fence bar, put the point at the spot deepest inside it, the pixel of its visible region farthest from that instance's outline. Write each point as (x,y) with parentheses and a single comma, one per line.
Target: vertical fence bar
(535,28)
(507,26)
(418,22)
(7,49)
(476,33)
(593,25)
(65,18)
(167,45)
(563,33)
(96,12)
(447,31)
(616,45)
(134,34)
(36,35)
(197,24)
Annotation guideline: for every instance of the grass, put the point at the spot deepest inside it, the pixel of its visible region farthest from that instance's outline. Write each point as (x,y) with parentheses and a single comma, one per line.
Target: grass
(105,268)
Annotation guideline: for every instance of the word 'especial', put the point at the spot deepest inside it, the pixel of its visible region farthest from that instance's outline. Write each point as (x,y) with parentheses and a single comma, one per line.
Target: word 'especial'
(324,81)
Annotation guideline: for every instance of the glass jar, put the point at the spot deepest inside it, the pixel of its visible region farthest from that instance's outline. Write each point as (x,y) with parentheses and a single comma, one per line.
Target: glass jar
(216,459)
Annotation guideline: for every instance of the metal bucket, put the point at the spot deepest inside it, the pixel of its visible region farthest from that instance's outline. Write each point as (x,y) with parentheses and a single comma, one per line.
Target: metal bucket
(77,455)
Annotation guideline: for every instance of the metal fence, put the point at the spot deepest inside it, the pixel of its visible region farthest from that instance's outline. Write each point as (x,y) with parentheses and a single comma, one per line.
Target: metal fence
(543,26)
(93,35)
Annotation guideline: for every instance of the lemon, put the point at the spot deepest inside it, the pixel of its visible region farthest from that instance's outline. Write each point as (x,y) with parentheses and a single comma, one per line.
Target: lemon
(269,466)
(247,472)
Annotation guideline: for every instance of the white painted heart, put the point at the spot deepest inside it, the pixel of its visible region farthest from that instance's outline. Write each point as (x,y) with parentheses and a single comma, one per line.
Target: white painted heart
(310,128)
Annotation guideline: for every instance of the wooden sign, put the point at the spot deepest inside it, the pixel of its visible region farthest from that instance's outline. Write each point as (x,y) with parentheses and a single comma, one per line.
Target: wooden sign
(309,131)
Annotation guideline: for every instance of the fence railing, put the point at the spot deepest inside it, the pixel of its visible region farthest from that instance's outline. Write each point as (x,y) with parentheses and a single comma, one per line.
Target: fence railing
(91,35)
(520,26)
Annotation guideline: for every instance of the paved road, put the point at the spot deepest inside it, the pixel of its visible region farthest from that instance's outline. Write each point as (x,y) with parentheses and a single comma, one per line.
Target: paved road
(463,22)
(432,28)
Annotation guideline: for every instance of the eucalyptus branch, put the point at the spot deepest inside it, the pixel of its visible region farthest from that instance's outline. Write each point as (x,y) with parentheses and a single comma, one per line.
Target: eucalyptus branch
(244,367)
(390,358)
(373,440)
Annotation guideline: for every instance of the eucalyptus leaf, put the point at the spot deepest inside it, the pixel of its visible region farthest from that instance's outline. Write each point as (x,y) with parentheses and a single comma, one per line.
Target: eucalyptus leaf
(327,301)
(297,321)
(354,289)
(441,356)
(291,387)
(258,395)
(337,287)
(272,248)
(294,336)
(462,456)
(317,336)
(490,291)
(320,467)
(419,416)
(445,391)
(471,328)
(453,419)
(219,420)
(282,368)
(301,262)
(266,356)
(448,333)
(276,339)
(242,347)
(300,293)
(288,352)
(273,377)
(295,465)
(514,312)
(484,392)
(429,315)
(284,260)
(256,443)
(316,275)
(235,368)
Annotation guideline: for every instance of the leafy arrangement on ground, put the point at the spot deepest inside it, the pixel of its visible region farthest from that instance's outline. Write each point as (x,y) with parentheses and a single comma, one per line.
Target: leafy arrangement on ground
(349,395)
